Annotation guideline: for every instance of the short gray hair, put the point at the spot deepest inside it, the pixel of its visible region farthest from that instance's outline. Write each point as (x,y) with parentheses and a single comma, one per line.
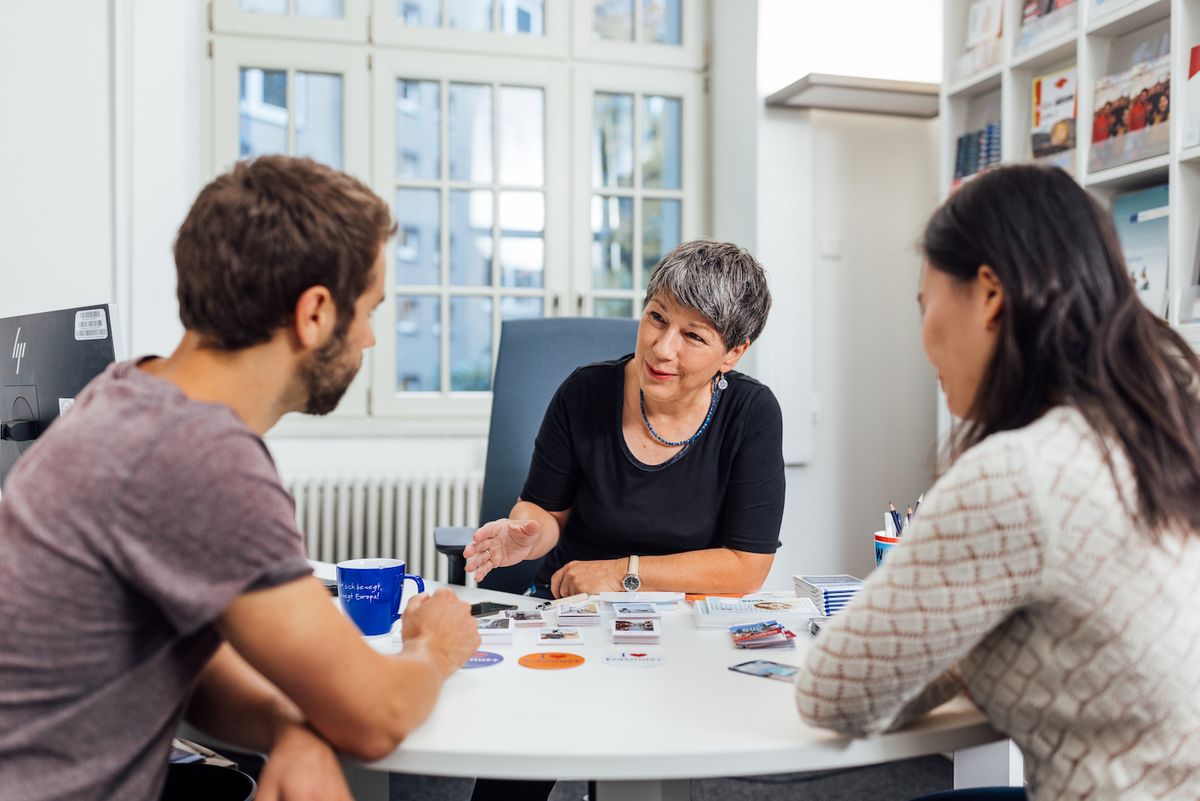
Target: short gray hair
(721,281)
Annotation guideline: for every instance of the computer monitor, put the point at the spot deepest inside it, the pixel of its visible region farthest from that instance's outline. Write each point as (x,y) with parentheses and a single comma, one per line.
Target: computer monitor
(46,360)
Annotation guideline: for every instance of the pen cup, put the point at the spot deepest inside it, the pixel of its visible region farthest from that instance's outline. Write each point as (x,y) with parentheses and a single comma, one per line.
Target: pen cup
(883,544)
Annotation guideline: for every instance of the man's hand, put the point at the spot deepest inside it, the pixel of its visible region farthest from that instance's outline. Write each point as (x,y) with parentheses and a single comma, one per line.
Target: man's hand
(302,767)
(500,543)
(601,575)
(443,625)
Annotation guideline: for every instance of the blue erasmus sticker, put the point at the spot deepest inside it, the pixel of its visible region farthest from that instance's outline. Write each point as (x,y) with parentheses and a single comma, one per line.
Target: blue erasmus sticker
(483,659)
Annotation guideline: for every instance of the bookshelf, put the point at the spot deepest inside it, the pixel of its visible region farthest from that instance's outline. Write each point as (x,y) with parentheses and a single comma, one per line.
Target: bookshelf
(1100,38)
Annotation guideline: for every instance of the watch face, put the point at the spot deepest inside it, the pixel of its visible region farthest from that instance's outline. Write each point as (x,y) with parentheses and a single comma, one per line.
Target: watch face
(631,583)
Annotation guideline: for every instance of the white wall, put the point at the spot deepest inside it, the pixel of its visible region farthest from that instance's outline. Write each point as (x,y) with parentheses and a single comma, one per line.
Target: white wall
(56,203)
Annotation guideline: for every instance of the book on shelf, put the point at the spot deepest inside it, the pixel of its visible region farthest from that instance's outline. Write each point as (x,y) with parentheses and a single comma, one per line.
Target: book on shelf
(976,151)
(1042,20)
(1054,104)
(1191,100)
(981,45)
(1141,220)
(1132,112)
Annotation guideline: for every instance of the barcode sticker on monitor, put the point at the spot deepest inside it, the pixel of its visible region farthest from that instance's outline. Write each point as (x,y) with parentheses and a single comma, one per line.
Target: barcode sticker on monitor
(91,324)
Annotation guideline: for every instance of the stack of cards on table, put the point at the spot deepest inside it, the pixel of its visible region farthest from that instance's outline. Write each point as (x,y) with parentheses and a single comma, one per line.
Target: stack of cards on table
(767,634)
(495,630)
(645,631)
(829,593)
(560,636)
(577,615)
(526,618)
(636,610)
(714,612)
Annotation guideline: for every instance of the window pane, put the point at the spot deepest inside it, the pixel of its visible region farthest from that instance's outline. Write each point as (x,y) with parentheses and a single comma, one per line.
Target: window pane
(319,8)
(418,134)
(418,343)
(470,344)
(523,16)
(470,132)
(520,308)
(262,112)
(263,6)
(612,141)
(471,15)
(522,238)
(522,138)
(660,21)
(420,13)
(613,19)
(660,232)
(471,238)
(610,307)
(418,238)
(661,142)
(612,242)
(319,117)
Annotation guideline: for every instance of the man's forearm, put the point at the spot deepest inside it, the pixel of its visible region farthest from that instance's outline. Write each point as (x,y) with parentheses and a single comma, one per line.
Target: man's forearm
(238,704)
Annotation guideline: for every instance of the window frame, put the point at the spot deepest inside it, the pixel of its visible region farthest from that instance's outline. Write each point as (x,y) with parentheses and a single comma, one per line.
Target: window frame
(690,53)
(226,17)
(554,42)
(392,66)
(693,192)
(567,71)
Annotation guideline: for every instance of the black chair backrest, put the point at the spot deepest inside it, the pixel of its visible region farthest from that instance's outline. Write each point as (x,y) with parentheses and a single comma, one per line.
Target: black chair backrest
(535,357)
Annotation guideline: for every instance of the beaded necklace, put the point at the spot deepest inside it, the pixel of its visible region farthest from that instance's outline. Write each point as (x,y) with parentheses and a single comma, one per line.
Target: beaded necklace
(717,386)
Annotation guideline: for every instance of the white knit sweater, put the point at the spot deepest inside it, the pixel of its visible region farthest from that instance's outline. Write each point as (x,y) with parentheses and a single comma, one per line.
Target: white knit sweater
(1072,629)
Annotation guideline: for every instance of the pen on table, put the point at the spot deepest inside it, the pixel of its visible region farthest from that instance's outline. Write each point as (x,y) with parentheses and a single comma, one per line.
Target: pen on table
(582,596)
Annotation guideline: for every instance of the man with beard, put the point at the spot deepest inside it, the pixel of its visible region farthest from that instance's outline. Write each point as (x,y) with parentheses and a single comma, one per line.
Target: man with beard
(152,566)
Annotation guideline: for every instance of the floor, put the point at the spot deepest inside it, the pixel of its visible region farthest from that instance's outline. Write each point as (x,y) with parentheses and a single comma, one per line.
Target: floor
(895,781)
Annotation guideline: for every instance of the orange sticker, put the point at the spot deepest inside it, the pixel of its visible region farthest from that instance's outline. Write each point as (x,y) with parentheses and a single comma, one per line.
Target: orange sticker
(552,660)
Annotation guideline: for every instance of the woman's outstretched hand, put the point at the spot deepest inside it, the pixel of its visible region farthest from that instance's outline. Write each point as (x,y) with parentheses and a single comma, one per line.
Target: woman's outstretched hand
(500,543)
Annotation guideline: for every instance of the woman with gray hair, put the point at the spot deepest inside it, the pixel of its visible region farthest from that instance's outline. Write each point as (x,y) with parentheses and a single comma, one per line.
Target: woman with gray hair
(661,470)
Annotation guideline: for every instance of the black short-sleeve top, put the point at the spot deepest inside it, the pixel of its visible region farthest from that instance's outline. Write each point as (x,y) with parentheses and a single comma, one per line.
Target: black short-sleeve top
(726,489)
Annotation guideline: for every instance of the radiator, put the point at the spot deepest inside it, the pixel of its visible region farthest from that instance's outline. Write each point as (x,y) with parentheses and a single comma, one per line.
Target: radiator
(390,516)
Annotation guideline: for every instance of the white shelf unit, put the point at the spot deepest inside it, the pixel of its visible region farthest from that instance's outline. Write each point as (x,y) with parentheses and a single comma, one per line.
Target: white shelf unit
(1097,46)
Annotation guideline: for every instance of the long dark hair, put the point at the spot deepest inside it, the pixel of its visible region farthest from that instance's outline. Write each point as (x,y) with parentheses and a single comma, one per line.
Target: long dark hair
(1073,331)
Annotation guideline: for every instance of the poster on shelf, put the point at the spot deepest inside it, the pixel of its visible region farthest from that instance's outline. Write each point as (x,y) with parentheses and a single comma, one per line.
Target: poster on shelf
(1191,100)
(1132,109)
(1053,128)
(1141,220)
(1042,20)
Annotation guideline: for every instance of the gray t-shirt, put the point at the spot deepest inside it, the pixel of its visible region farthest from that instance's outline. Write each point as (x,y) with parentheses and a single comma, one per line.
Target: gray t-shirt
(125,532)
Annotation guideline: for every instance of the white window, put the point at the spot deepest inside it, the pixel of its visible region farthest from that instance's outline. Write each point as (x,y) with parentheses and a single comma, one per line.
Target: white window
(529,174)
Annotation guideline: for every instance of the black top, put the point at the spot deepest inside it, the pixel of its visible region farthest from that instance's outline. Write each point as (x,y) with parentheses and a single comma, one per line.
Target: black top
(724,490)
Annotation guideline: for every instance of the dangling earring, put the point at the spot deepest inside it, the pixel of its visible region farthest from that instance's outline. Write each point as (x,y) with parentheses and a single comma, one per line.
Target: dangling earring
(721,382)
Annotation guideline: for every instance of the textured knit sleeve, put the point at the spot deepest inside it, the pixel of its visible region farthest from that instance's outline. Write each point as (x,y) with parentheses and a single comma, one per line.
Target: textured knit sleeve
(974,556)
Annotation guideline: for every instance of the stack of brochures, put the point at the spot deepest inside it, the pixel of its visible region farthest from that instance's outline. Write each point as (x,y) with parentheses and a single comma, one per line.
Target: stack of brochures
(829,593)
(644,631)
(767,634)
(495,630)
(584,614)
(715,612)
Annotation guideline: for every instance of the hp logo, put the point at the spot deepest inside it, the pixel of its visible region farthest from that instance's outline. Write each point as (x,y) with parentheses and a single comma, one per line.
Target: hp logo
(18,350)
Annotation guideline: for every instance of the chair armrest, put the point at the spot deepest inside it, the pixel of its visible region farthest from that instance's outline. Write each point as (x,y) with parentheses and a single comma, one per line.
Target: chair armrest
(450,540)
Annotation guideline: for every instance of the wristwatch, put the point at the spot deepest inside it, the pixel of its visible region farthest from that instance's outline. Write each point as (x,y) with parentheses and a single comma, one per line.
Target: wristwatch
(631,582)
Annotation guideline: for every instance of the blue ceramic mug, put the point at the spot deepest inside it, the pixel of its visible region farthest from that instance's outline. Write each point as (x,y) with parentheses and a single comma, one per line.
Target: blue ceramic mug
(371,590)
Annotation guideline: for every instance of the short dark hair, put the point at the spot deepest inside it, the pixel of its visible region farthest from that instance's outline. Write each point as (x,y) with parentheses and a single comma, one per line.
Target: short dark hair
(721,281)
(1073,331)
(261,234)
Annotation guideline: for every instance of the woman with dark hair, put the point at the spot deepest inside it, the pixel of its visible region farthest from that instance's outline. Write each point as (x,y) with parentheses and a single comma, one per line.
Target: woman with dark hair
(1053,569)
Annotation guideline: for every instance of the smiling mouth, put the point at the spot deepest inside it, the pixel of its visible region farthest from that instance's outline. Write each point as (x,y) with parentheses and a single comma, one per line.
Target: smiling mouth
(659,374)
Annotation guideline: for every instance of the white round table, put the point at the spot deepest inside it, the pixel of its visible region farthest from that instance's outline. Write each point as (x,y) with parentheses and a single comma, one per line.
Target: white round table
(643,727)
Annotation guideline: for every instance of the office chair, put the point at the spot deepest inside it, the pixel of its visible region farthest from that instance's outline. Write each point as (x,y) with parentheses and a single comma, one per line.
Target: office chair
(535,357)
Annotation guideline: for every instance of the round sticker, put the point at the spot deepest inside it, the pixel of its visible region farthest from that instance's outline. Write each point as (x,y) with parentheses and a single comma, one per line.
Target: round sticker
(552,660)
(634,659)
(483,659)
